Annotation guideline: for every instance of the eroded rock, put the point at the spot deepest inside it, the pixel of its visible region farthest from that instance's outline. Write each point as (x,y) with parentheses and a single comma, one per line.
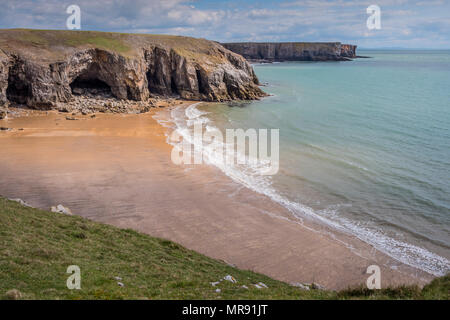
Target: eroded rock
(4,71)
(293,51)
(43,77)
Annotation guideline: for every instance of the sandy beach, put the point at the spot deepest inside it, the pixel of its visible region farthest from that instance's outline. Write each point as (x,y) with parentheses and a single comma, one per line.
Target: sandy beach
(116,169)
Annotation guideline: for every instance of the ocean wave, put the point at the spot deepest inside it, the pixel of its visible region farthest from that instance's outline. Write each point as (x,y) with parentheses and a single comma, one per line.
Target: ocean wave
(250,176)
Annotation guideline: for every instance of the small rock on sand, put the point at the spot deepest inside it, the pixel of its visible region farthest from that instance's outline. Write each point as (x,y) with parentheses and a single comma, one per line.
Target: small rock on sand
(78,91)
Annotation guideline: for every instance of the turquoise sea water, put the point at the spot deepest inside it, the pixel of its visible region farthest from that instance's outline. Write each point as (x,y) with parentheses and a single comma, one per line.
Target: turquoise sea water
(364,147)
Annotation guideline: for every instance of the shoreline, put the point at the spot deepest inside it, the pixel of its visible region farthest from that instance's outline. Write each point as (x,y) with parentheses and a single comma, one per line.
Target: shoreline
(126,160)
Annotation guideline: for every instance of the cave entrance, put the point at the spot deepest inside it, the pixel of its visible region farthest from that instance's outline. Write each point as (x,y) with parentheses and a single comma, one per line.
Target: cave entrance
(202,85)
(160,85)
(88,83)
(18,90)
(155,86)
(84,86)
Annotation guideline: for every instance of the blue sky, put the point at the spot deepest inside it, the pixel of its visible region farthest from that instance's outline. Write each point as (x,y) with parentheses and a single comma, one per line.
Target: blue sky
(404,23)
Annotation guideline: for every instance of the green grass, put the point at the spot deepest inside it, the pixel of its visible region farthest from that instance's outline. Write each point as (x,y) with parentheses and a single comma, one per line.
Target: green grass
(43,43)
(96,41)
(114,42)
(438,289)
(37,246)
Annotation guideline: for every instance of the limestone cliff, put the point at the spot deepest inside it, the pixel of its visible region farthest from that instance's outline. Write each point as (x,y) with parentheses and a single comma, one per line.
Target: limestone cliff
(293,51)
(4,67)
(348,51)
(41,68)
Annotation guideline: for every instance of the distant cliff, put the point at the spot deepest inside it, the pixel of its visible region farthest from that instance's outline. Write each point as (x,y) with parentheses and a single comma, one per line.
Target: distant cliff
(41,68)
(293,51)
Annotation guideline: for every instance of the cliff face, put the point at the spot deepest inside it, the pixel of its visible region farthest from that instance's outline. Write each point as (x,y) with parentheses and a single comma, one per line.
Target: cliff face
(293,51)
(4,67)
(348,51)
(42,68)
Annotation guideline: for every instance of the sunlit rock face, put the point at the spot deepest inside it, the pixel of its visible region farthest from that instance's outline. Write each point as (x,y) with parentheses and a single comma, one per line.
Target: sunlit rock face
(42,68)
(4,70)
(293,51)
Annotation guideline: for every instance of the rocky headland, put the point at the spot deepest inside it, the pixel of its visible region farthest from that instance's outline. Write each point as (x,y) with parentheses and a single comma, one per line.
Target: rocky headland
(67,70)
(293,51)
(87,71)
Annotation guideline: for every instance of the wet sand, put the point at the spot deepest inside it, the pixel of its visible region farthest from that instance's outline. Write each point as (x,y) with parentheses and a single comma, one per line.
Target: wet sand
(116,169)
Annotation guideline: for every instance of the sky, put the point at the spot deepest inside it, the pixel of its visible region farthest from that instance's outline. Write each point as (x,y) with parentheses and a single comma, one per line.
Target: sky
(404,23)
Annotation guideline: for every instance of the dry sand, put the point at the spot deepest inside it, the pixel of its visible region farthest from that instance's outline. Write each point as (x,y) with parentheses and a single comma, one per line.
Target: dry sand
(116,169)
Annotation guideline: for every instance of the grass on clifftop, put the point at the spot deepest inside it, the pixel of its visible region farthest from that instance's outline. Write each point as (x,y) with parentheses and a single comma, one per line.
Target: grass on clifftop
(52,43)
(49,38)
(37,246)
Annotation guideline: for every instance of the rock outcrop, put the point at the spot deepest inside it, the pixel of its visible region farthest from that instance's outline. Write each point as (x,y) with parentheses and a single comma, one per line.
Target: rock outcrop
(348,51)
(42,68)
(293,51)
(4,69)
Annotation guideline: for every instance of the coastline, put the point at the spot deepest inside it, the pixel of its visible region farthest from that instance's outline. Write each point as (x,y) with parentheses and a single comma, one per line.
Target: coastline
(116,169)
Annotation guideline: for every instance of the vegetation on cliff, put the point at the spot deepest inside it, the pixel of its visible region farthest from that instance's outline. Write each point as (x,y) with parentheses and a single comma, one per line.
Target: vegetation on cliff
(39,67)
(37,246)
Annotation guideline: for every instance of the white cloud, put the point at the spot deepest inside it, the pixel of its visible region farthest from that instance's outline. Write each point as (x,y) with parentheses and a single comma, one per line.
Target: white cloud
(403,21)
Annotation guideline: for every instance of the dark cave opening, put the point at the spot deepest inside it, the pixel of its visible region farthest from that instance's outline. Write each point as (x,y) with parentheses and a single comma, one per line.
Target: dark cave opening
(85,85)
(201,82)
(173,85)
(155,86)
(160,85)
(18,90)
(89,83)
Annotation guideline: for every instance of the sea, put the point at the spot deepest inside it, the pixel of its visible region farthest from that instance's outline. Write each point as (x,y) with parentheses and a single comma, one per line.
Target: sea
(364,147)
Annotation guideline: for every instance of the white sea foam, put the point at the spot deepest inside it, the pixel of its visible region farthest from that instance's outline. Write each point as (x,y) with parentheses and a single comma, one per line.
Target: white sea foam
(249,176)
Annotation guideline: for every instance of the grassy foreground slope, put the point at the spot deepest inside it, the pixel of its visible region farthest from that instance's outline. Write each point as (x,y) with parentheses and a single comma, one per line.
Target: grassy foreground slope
(37,246)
